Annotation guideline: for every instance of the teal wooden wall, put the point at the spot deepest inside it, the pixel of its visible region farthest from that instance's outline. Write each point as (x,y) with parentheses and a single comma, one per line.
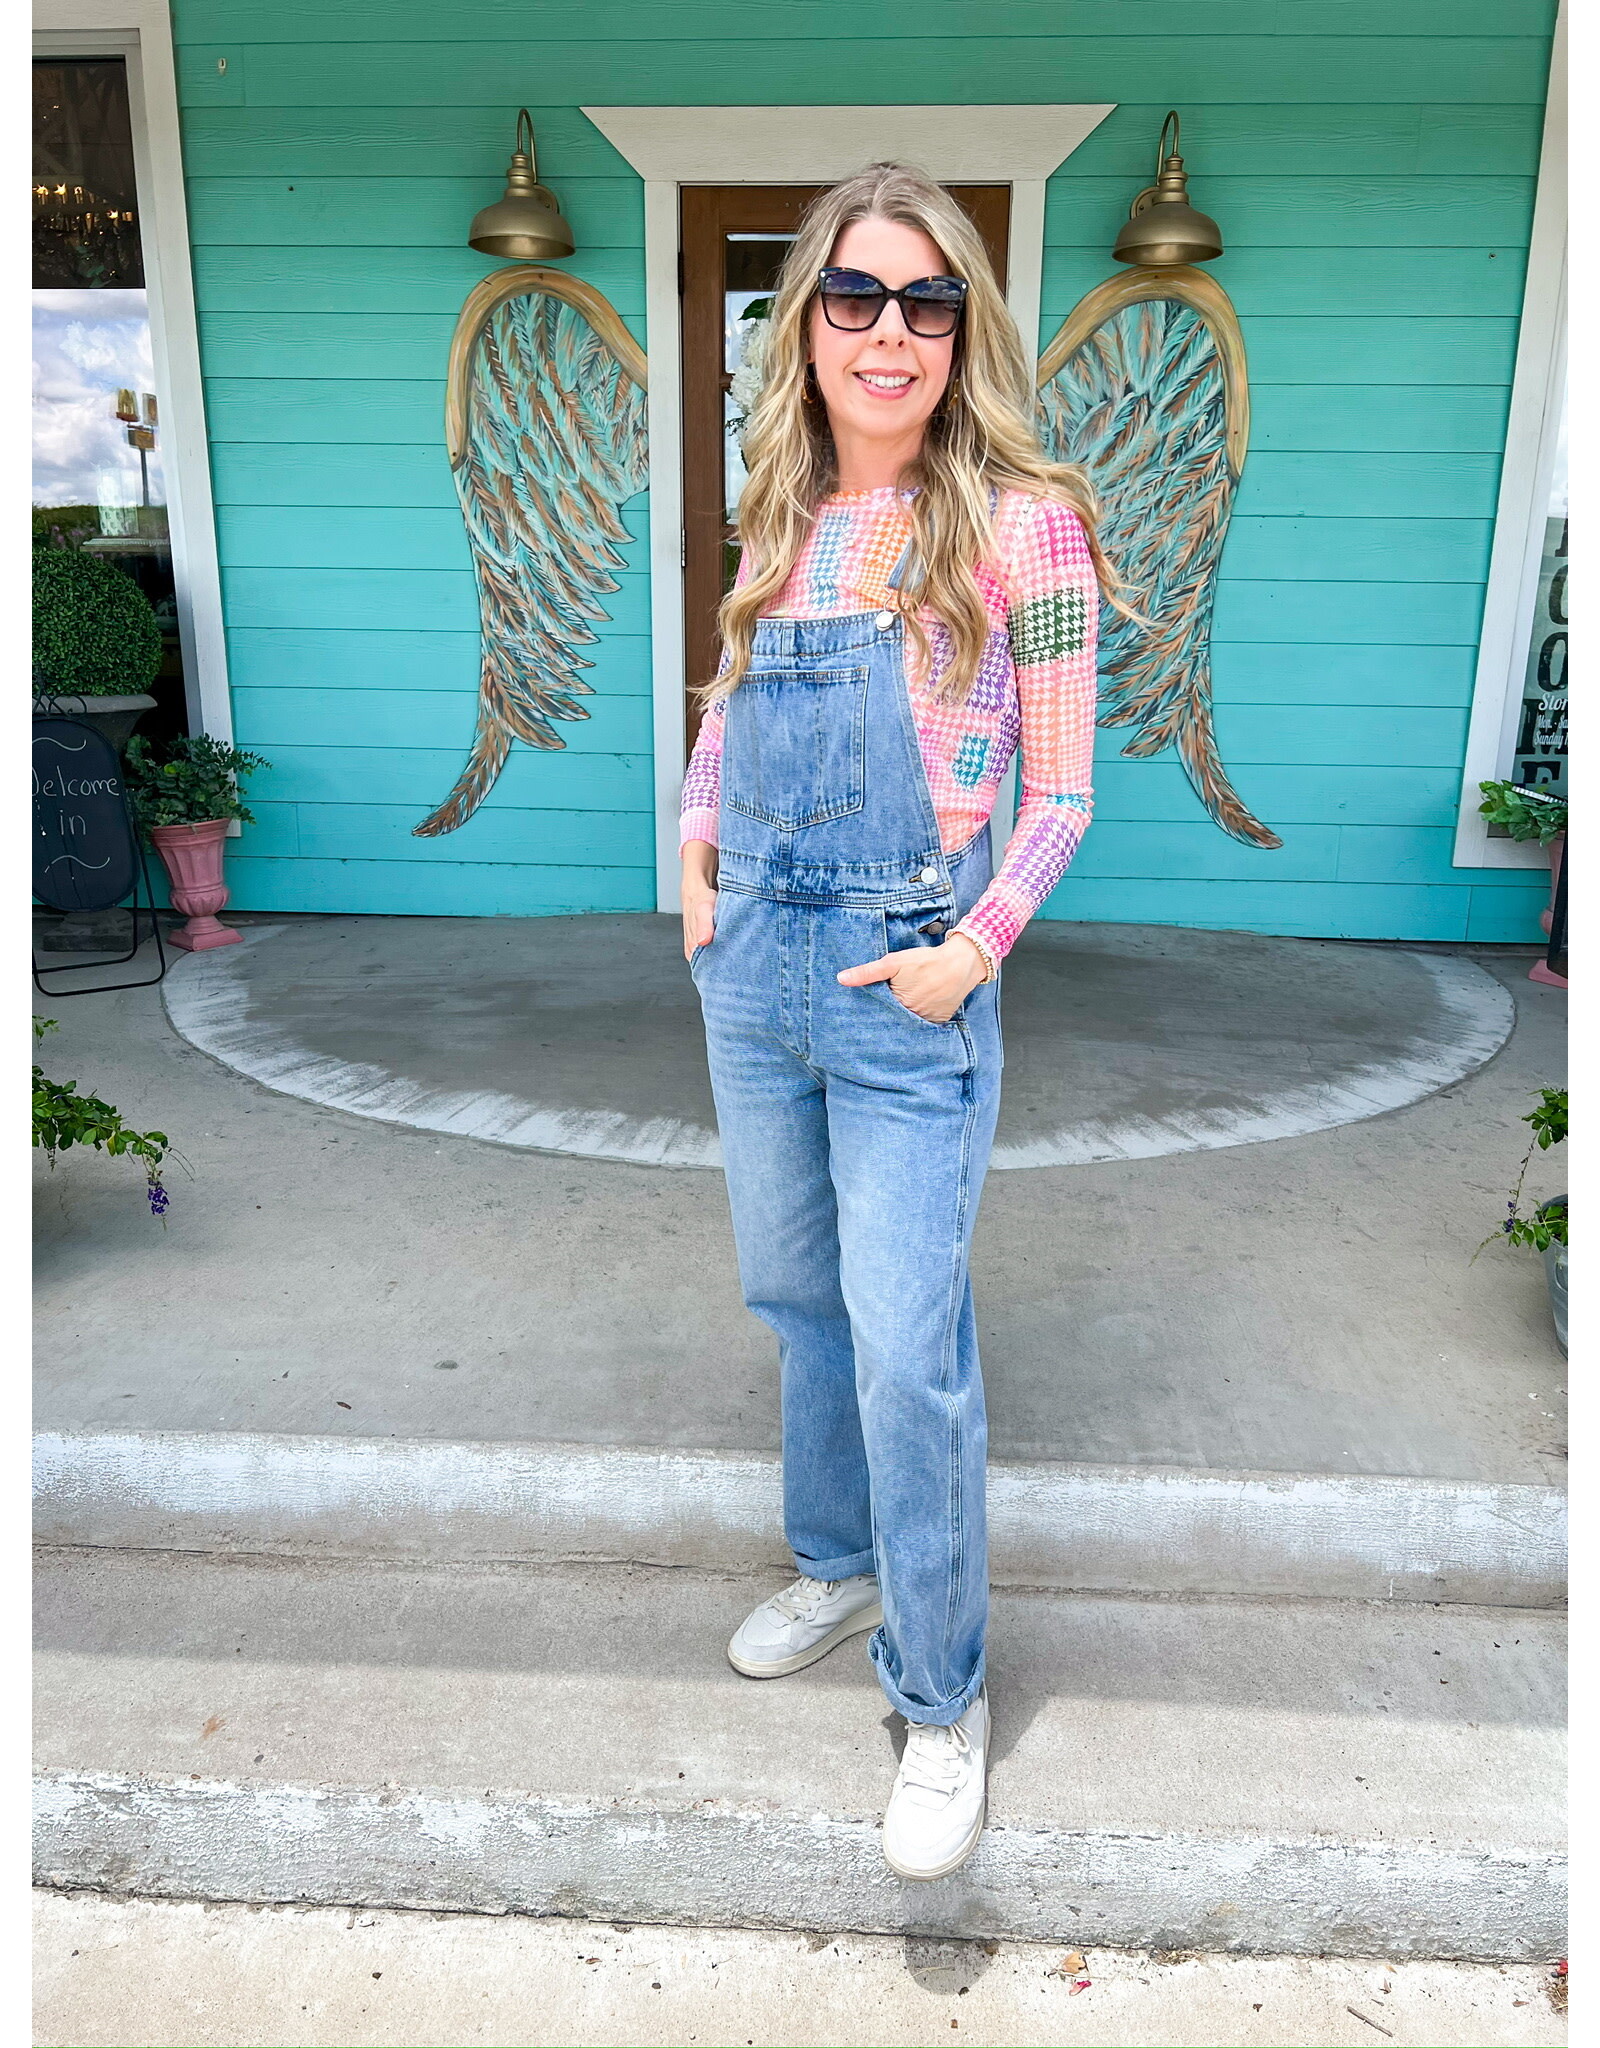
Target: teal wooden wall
(1371,162)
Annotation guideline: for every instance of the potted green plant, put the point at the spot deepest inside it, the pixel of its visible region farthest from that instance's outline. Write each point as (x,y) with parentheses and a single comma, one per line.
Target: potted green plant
(96,644)
(184,798)
(1544,1229)
(1525,813)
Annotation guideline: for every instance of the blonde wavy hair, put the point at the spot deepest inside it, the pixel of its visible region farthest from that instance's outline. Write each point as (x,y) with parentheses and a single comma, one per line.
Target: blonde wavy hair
(980,438)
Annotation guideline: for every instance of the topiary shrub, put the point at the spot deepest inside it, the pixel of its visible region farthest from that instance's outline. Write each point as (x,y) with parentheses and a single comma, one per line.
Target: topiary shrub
(94,633)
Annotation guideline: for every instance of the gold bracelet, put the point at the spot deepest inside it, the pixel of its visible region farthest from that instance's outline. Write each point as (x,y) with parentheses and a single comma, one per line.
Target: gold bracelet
(991,966)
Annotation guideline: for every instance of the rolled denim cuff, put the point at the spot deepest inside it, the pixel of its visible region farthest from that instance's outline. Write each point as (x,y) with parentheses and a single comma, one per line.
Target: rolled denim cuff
(862,1564)
(932,1714)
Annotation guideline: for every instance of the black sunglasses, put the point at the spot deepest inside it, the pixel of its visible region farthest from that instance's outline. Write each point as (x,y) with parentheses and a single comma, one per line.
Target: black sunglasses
(854,301)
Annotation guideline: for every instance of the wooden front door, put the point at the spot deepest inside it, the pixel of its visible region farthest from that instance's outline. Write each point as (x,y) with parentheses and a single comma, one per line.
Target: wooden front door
(734,238)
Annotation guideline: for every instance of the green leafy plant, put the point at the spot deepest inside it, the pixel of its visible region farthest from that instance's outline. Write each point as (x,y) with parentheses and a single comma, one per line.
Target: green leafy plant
(187,781)
(94,632)
(64,526)
(63,1118)
(1547,1224)
(1525,813)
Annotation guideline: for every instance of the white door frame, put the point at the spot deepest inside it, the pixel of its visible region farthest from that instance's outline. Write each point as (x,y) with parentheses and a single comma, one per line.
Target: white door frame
(675,146)
(1519,521)
(141,31)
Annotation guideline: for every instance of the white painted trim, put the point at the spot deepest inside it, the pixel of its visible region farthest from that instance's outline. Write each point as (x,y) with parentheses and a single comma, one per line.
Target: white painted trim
(1025,293)
(141,30)
(1025,259)
(815,145)
(665,418)
(676,146)
(1531,430)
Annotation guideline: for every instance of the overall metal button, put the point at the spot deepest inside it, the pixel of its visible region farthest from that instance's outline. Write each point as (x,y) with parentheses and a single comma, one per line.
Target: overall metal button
(928,875)
(884,621)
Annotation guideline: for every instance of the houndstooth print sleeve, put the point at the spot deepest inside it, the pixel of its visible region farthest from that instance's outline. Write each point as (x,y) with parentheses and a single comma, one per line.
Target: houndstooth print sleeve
(1053,605)
(702,781)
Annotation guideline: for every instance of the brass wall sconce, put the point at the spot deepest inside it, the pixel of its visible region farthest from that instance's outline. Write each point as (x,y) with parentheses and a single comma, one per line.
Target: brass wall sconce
(1162,227)
(527,224)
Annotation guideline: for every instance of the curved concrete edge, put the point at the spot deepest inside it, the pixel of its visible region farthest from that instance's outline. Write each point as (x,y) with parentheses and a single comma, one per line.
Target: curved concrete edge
(1481,1013)
(208,1004)
(712,1864)
(1083,1528)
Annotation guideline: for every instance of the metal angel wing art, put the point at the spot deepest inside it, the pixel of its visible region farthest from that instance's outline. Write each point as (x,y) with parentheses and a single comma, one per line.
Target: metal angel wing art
(545,424)
(1145,387)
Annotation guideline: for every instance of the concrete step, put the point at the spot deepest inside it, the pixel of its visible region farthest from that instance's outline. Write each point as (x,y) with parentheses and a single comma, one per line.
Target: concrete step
(1299,1777)
(207,1975)
(1081,1527)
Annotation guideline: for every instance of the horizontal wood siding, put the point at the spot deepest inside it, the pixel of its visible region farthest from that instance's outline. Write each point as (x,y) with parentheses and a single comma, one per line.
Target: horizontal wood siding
(1372,165)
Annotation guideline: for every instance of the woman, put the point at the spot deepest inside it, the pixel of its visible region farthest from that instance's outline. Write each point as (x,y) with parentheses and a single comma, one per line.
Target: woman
(918,591)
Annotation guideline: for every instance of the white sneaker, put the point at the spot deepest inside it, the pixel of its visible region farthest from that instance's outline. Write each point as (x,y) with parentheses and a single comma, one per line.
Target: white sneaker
(937,1807)
(795,1628)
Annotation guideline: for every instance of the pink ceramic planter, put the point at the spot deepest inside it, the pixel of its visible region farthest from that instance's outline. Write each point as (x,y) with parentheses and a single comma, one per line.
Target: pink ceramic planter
(1553,852)
(192,857)
(1541,970)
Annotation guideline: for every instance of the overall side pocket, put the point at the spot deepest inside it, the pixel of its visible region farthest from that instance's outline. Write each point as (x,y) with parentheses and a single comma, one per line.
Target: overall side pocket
(903,933)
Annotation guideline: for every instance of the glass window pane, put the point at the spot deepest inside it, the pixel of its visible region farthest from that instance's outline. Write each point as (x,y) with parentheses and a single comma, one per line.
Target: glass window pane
(1541,744)
(750,275)
(98,480)
(85,206)
(92,373)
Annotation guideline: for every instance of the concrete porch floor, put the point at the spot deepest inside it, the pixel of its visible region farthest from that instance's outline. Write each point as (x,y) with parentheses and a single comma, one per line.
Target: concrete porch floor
(1302,1299)
(583,1034)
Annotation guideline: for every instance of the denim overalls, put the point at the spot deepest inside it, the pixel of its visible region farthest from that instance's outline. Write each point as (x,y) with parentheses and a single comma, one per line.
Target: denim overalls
(856,1135)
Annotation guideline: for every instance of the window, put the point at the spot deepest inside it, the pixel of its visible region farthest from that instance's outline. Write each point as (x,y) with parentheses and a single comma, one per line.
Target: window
(1517,728)
(99,480)
(1539,755)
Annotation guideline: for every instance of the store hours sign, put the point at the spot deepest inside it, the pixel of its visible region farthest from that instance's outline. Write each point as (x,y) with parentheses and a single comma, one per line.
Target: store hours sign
(1539,759)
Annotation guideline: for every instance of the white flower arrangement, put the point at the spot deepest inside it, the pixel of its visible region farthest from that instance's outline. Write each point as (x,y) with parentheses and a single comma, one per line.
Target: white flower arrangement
(745,386)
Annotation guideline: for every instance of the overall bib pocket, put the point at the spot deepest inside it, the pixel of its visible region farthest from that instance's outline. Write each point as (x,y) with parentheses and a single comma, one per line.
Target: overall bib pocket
(794,747)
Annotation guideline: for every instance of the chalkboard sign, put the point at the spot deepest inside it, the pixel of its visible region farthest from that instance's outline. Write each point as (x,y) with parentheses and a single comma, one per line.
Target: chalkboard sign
(85,851)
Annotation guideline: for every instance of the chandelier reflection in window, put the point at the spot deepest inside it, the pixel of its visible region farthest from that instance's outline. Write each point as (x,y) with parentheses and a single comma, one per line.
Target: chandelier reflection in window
(78,240)
(85,215)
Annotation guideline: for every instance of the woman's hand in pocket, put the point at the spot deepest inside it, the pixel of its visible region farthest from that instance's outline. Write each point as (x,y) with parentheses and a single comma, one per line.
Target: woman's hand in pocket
(931,981)
(698,895)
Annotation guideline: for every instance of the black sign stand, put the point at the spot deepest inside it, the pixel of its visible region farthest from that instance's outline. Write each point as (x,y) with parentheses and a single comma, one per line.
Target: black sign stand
(87,854)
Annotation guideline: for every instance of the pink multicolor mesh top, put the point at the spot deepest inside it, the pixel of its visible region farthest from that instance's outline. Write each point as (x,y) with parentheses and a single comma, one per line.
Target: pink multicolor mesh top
(1036,685)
